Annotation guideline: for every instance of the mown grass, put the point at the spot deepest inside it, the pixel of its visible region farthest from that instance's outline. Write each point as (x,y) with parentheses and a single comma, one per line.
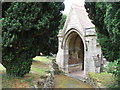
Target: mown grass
(28,81)
(39,67)
(44,59)
(106,79)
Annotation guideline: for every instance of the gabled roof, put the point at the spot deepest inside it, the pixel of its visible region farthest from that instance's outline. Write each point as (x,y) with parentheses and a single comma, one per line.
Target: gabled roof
(81,15)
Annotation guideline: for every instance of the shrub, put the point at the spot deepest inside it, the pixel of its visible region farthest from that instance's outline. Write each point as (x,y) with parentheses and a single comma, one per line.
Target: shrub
(114,68)
(26,29)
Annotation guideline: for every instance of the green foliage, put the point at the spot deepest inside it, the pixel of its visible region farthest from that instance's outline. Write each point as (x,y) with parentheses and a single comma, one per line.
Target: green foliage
(106,79)
(114,68)
(117,72)
(5,6)
(62,21)
(27,29)
(52,40)
(106,18)
(111,67)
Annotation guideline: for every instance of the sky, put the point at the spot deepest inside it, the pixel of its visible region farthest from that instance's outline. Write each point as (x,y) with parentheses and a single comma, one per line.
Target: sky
(68,4)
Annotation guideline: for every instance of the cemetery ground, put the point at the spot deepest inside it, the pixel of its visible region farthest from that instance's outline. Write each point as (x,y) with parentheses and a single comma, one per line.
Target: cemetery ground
(40,65)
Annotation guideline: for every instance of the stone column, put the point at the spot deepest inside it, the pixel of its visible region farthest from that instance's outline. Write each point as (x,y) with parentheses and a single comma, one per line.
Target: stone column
(60,54)
(66,57)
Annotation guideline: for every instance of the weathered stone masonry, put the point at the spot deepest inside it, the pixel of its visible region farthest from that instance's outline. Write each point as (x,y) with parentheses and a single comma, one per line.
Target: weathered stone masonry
(78,47)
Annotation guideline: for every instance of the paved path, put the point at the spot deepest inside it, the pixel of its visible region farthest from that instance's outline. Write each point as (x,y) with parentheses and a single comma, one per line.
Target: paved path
(63,81)
(77,75)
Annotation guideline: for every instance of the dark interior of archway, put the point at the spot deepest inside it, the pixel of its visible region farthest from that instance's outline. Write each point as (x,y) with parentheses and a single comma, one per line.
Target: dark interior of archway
(76,50)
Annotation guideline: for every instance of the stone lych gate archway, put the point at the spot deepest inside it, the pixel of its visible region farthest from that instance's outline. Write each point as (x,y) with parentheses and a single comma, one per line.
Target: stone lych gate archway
(74,47)
(78,47)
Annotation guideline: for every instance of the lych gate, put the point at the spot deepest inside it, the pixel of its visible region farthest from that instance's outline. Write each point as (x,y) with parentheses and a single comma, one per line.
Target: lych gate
(75,49)
(78,47)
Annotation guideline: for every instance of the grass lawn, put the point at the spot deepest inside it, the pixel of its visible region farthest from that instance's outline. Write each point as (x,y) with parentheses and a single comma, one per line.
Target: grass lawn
(28,81)
(39,67)
(43,59)
(106,79)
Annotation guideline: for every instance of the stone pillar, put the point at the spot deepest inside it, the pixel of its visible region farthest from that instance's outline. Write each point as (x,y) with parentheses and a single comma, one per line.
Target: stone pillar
(66,57)
(60,54)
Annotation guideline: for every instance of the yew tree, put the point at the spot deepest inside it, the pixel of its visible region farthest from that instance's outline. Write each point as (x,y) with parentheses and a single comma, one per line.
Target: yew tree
(106,17)
(26,29)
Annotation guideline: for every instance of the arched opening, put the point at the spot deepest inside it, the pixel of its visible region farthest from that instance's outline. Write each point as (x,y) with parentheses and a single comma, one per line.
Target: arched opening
(75,52)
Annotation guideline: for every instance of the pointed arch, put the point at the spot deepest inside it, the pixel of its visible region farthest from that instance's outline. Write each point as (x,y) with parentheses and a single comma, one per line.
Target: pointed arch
(74,48)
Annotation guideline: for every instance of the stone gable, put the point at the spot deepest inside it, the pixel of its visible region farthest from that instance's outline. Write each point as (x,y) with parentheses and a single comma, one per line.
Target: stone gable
(78,46)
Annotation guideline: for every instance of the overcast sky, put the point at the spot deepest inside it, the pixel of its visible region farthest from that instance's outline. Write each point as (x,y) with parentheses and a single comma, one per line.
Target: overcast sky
(68,4)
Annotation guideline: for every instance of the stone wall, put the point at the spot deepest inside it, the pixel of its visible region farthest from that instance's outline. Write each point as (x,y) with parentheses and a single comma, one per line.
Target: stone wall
(47,81)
